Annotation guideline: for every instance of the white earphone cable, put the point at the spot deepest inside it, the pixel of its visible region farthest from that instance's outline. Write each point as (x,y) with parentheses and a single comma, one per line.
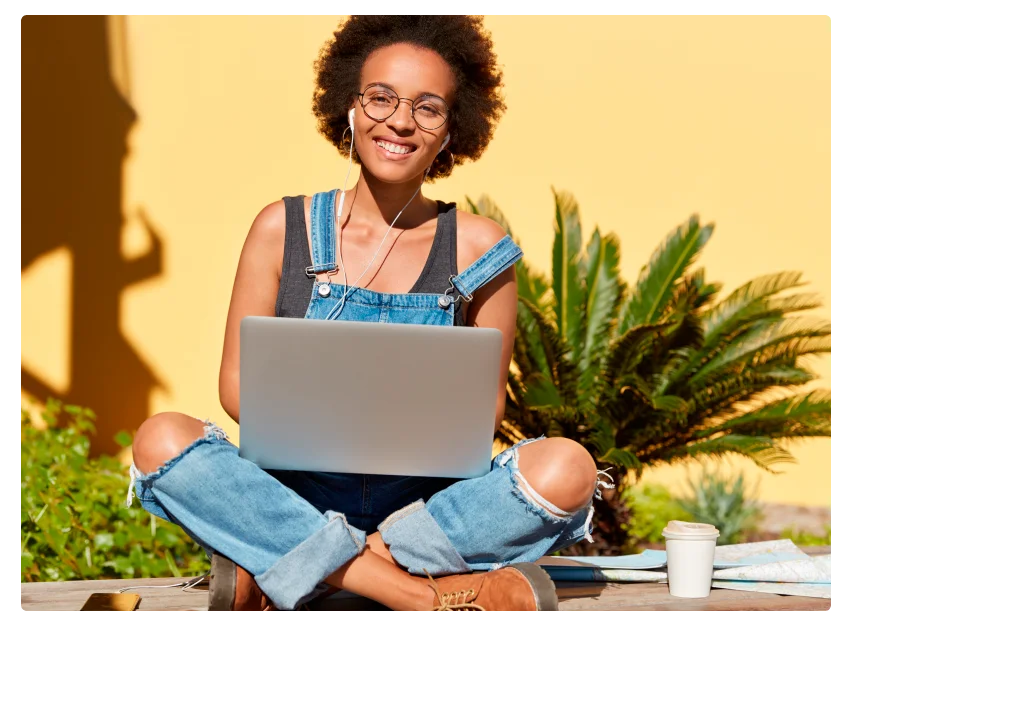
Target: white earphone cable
(345,291)
(338,213)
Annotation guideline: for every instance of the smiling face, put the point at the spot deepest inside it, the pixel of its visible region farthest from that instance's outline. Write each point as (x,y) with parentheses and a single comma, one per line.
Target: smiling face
(396,149)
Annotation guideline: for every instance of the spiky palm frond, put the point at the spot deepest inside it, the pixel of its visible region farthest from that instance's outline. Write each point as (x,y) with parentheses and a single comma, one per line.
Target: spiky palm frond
(626,352)
(517,412)
(748,300)
(549,388)
(529,354)
(569,272)
(763,451)
(760,343)
(533,287)
(622,458)
(686,332)
(659,279)
(729,391)
(604,294)
(806,415)
(750,311)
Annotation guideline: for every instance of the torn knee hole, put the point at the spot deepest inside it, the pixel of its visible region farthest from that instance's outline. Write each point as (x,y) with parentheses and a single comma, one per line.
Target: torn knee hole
(536,499)
(212,431)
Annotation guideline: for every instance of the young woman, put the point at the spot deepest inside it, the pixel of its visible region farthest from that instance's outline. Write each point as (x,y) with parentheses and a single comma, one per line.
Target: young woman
(409,98)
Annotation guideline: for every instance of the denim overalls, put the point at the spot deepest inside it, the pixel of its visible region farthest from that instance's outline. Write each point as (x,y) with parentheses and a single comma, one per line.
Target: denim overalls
(292,529)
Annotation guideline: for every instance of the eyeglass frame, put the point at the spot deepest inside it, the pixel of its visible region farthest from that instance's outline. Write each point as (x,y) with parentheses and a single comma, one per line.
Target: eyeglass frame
(398,100)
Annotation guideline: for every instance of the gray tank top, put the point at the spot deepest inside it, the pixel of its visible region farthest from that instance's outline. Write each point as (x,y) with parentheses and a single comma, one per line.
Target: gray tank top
(295,288)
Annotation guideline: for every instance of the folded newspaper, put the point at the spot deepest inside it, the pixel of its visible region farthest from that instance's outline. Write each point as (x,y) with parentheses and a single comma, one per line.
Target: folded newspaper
(772,567)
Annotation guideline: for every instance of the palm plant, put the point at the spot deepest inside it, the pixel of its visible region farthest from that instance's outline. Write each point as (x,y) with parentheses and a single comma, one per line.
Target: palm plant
(662,371)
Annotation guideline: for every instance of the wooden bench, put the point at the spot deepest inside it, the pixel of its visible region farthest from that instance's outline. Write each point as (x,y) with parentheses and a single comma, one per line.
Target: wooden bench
(573,596)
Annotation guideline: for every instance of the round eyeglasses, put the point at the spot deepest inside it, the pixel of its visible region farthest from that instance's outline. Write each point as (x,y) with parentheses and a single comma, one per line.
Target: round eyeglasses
(379,103)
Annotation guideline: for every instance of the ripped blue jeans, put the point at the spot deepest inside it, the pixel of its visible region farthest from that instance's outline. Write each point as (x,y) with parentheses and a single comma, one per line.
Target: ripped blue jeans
(292,529)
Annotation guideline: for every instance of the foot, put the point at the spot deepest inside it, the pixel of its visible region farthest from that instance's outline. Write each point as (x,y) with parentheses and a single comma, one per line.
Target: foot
(234,589)
(521,587)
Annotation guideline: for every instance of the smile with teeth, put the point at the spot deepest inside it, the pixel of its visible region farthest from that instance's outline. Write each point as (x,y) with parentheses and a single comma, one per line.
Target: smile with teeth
(392,147)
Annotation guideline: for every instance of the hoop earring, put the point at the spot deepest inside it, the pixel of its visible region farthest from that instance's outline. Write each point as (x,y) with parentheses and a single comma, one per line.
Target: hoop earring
(452,161)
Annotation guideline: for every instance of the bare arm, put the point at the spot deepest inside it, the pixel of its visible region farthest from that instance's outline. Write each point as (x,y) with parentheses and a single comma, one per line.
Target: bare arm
(495,305)
(254,293)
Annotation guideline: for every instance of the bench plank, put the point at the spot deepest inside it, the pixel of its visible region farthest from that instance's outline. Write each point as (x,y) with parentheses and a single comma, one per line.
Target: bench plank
(573,596)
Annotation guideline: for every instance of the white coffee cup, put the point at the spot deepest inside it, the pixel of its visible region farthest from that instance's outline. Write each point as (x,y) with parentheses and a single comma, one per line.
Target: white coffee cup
(689,558)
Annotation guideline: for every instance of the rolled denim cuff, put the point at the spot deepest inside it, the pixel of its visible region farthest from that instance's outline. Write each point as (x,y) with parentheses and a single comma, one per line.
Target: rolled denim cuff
(299,571)
(417,542)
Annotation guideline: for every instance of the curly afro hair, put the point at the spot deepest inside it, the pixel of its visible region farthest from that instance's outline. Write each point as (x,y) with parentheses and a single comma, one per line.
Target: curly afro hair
(461,40)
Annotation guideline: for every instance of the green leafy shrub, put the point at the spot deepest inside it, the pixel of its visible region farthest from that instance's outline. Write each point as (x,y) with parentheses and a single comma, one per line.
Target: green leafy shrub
(652,507)
(74,523)
(719,499)
(726,502)
(801,537)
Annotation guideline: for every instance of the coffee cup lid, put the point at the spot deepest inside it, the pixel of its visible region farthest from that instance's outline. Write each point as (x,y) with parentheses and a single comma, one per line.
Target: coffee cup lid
(690,530)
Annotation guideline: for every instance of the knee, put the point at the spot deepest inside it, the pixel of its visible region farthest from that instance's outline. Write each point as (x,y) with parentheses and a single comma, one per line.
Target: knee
(561,470)
(163,437)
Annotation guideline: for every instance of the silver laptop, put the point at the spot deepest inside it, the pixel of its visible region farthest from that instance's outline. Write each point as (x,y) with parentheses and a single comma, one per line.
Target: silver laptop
(368,398)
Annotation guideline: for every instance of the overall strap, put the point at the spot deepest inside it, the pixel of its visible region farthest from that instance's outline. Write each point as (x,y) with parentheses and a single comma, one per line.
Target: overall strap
(487,267)
(322,234)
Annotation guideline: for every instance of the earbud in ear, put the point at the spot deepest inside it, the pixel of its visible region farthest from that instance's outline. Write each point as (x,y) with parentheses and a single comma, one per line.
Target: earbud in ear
(352,116)
(444,142)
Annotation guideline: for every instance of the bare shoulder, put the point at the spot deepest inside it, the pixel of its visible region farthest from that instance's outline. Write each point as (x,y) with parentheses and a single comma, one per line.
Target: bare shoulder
(269,224)
(476,234)
(266,239)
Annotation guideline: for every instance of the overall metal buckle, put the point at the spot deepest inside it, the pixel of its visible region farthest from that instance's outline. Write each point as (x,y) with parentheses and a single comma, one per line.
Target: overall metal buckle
(311,274)
(445,299)
(324,290)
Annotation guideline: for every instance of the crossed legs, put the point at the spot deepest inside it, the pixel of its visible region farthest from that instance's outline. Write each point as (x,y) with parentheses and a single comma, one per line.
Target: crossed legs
(559,470)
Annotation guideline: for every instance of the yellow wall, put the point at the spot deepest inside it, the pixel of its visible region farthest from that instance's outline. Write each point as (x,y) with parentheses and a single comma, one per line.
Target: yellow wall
(127,274)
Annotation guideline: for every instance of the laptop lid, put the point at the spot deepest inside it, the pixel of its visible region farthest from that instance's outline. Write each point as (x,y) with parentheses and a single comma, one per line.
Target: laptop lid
(368,398)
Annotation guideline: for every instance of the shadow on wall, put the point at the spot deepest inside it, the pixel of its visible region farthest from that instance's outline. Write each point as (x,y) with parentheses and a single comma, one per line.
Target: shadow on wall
(74,129)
